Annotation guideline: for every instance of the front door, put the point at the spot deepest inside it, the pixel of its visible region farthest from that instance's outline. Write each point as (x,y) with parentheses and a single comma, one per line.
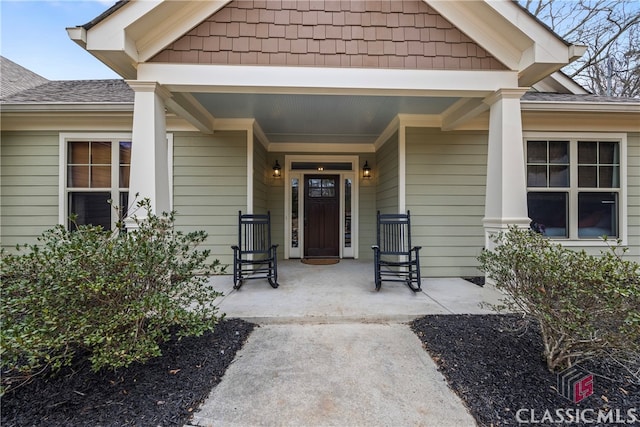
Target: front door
(321,216)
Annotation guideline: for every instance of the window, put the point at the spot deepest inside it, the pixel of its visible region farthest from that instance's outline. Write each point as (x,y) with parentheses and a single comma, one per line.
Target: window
(96,171)
(574,188)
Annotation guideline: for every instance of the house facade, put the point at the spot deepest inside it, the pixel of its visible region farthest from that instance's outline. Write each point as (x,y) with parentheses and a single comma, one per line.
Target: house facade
(324,112)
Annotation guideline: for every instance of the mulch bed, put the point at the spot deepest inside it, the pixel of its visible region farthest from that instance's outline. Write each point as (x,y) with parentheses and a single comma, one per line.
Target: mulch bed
(163,392)
(495,364)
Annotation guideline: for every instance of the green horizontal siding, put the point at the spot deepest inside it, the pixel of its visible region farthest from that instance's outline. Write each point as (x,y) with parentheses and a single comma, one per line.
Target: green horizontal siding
(28,185)
(445,190)
(210,187)
(386,175)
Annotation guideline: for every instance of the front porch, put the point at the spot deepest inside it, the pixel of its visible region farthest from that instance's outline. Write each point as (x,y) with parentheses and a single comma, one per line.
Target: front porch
(344,292)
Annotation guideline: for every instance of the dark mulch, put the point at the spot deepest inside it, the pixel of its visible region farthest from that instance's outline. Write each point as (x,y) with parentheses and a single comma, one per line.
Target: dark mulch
(495,364)
(476,280)
(162,392)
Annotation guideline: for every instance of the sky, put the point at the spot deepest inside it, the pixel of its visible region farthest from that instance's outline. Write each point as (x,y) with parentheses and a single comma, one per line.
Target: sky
(33,34)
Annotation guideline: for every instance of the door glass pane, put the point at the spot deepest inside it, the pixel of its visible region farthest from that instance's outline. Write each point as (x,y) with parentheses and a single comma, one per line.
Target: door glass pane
(294,212)
(90,208)
(347,213)
(597,215)
(549,212)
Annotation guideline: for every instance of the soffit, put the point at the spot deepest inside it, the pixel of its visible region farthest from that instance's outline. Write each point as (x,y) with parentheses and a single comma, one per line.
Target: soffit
(320,118)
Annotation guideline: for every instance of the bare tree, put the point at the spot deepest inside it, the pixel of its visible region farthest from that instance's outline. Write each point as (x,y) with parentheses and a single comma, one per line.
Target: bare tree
(611,31)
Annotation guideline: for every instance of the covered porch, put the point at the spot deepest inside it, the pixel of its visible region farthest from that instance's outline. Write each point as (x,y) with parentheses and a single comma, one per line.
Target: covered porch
(344,292)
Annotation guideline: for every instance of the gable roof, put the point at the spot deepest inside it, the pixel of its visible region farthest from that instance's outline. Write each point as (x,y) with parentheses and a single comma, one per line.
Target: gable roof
(133,32)
(15,78)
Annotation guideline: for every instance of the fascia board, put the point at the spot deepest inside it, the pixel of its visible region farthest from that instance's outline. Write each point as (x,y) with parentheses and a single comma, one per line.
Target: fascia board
(547,47)
(168,23)
(559,83)
(312,80)
(110,34)
(68,107)
(613,107)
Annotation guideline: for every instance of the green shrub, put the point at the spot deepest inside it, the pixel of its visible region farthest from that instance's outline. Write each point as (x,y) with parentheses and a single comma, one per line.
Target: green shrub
(112,297)
(586,306)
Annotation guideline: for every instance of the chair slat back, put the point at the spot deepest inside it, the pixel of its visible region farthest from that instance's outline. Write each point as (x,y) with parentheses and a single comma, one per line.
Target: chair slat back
(254,233)
(394,233)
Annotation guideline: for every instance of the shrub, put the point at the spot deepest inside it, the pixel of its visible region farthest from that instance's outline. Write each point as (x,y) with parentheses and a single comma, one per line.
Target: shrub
(111,297)
(586,306)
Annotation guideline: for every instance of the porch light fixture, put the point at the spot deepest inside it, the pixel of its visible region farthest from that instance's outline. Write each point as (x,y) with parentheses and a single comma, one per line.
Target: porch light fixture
(277,170)
(366,171)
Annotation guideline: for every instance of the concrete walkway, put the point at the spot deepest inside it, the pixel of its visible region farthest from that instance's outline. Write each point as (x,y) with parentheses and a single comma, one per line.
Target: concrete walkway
(330,351)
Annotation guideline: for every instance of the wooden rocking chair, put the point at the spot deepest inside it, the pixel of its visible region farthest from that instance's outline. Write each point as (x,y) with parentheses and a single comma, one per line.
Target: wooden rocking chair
(254,257)
(394,257)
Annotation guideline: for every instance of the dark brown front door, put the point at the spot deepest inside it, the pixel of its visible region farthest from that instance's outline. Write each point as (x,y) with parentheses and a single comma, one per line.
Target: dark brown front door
(321,216)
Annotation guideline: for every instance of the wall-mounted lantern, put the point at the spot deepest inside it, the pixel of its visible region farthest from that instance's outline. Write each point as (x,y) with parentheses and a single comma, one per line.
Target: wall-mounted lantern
(366,171)
(277,170)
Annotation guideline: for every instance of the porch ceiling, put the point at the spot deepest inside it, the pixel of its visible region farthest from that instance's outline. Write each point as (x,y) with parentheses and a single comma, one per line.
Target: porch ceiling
(287,118)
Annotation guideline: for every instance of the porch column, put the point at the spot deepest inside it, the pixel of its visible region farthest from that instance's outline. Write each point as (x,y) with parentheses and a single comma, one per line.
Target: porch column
(506,191)
(149,176)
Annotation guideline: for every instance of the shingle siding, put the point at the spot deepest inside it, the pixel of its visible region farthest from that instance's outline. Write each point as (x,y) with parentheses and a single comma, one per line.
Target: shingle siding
(372,34)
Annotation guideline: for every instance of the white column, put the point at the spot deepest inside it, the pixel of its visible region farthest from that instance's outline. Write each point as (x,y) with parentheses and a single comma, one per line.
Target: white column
(149,176)
(506,192)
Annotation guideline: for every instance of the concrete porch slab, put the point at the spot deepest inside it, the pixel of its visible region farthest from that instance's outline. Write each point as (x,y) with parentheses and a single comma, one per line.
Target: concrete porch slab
(345,292)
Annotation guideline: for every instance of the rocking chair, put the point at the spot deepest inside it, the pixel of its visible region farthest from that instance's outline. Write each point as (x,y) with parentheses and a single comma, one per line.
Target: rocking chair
(254,257)
(394,257)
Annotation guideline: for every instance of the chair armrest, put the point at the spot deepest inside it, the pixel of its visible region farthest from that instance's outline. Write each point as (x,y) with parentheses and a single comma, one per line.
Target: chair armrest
(416,249)
(375,247)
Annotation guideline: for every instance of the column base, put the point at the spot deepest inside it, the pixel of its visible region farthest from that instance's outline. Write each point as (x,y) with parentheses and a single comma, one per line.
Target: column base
(494,226)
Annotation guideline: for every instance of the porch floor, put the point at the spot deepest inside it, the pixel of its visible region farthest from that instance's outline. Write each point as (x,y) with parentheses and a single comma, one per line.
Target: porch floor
(345,292)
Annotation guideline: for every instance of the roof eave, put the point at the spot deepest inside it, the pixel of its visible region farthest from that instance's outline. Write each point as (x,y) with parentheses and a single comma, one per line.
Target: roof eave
(9,107)
(566,106)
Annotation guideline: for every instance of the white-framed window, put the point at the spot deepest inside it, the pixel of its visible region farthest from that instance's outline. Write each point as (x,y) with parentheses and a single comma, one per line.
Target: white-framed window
(576,185)
(94,177)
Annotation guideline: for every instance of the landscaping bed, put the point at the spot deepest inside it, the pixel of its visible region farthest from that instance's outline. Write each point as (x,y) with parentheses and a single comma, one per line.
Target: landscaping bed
(495,364)
(163,392)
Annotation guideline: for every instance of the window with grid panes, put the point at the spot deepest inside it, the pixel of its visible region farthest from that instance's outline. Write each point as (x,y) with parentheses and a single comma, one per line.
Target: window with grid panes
(97,173)
(573,187)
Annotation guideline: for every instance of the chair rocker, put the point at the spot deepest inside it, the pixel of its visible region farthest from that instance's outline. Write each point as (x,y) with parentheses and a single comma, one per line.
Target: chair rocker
(254,257)
(394,258)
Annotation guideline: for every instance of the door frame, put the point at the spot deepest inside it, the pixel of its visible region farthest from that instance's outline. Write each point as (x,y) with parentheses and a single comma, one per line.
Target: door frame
(289,175)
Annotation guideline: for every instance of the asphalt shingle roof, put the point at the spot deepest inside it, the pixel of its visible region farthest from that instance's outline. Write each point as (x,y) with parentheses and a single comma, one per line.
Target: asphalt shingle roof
(74,92)
(566,97)
(15,78)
